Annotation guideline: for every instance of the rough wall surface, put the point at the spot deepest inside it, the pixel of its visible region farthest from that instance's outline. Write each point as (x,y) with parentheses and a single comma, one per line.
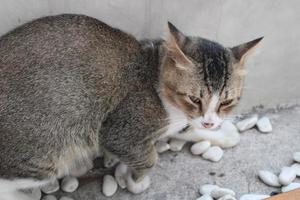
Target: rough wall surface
(273,72)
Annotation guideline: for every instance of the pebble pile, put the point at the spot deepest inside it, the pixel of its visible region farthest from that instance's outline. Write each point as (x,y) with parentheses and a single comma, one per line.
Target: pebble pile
(214,192)
(212,143)
(68,184)
(211,192)
(285,178)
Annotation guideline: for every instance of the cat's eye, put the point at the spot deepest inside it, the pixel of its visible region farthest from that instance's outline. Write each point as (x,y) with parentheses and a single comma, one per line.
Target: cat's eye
(226,103)
(195,100)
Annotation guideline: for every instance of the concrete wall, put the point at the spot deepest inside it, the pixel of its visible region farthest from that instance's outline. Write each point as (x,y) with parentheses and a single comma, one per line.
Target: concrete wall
(273,72)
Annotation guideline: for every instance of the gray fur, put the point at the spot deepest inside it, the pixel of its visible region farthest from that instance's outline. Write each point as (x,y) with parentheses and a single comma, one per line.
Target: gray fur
(72,87)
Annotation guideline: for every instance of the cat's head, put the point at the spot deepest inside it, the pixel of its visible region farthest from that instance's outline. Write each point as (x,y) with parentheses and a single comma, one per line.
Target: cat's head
(201,78)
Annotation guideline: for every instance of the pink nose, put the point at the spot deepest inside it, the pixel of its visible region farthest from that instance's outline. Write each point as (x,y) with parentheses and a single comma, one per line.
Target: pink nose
(207,125)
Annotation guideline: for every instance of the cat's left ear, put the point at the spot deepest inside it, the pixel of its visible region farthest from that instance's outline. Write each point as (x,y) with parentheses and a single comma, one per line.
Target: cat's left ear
(242,51)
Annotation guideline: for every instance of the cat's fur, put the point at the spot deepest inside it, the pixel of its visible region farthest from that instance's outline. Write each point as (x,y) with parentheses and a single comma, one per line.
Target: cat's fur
(73,88)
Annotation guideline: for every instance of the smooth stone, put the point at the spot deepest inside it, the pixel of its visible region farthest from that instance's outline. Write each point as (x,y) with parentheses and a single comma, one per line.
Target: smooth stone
(200,147)
(162,146)
(207,189)
(264,125)
(214,154)
(69,184)
(296,157)
(121,175)
(137,187)
(287,175)
(65,198)
(109,186)
(226,136)
(34,194)
(51,187)
(269,178)
(205,197)
(227,197)
(176,144)
(49,197)
(247,123)
(296,167)
(220,192)
(290,187)
(231,136)
(254,197)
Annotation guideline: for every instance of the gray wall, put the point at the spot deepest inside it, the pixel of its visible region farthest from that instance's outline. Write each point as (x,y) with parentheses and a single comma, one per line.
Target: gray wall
(273,72)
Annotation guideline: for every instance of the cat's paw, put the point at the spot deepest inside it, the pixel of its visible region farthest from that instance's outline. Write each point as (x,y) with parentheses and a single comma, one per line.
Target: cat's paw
(121,174)
(137,187)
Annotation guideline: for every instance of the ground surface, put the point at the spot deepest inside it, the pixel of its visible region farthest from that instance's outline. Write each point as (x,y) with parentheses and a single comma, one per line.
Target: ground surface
(178,176)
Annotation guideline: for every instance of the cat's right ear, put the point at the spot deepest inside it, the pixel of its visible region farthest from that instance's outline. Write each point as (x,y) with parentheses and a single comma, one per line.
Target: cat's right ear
(173,44)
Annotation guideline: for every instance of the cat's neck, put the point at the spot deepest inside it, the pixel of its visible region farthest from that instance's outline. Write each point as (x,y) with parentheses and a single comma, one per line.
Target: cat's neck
(152,54)
(155,53)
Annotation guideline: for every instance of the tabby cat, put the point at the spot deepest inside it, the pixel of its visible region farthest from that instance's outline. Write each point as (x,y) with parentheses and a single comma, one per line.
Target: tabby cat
(72,88)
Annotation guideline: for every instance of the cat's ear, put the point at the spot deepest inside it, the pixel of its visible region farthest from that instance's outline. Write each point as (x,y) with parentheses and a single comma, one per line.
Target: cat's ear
(173,44)
(242,51)
(176,34)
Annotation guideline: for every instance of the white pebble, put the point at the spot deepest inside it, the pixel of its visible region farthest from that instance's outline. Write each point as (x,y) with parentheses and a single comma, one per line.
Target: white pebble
(51,187)
(227,197)
(69,184)
(287,175)
(207,189)
(200,147)
(176,144)
(290,187)
(34,194)
(247,123)
(65,198)
(264,125)
(49,197)
(162,146)
(213,154)
(227,136)
(269,178)
(296,157)
(137,187)
(121,175)
(109,186)
(254,197)
(231,136)
(296,167)
(205,197)
(220,192)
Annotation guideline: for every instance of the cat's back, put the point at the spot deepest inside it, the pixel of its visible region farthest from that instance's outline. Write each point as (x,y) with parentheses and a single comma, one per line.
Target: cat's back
(66,53)
(59,38)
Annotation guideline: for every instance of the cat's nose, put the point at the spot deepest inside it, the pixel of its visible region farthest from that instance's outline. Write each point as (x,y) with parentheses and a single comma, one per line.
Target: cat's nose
(207,125)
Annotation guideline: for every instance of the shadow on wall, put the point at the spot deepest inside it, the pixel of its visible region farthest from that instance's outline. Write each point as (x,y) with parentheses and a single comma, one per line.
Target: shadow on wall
(273,74)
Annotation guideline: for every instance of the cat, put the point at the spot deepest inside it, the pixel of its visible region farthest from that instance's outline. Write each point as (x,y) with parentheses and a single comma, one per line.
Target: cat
(73,88)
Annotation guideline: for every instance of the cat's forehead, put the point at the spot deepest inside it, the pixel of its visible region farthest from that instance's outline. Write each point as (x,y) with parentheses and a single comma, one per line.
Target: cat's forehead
(213,62)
